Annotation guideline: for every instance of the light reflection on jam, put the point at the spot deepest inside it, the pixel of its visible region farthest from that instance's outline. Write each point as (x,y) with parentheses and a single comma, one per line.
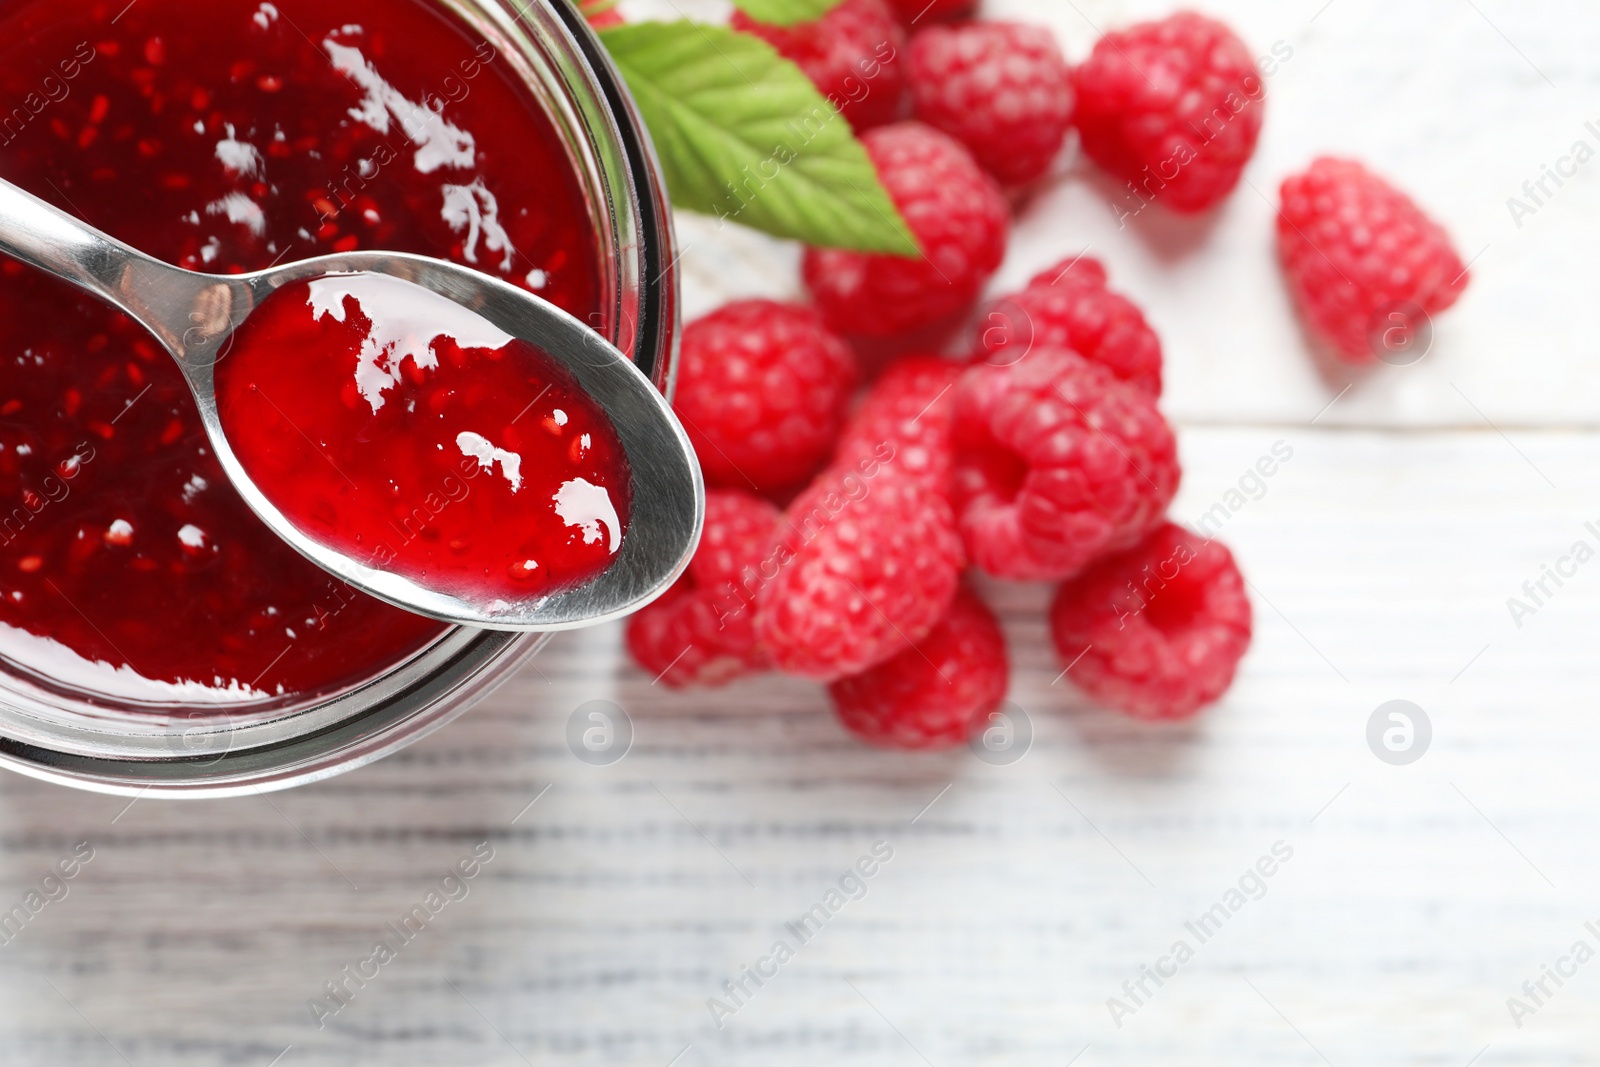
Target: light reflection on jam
(225,137)
(393,425)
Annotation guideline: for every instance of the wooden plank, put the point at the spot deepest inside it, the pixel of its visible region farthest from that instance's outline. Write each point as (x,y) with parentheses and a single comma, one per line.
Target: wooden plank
(1015,904)
(1018,899)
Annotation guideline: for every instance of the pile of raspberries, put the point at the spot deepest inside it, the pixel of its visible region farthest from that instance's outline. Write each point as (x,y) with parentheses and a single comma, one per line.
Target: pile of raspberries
(857,469)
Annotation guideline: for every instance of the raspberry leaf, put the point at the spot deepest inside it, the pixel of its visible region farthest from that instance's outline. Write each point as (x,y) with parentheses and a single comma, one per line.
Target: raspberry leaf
(785,12)
(743,134)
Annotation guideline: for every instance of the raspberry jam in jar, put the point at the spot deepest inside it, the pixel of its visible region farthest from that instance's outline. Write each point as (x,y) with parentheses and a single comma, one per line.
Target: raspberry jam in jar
(225,138)
(399,428)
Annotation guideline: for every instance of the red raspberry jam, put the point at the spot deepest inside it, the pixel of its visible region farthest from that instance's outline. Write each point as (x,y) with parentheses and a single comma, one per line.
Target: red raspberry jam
(224,137)
(393,425)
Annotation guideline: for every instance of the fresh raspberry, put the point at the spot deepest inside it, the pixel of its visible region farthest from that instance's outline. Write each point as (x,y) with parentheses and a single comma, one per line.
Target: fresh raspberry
(869,566)
(930,696)
(601,14)
(1173,108)
(1057,464)
(1362,259)
(902,428)
(680,640)
(1069,306)
(1156,631)
(742,532)
(959,217)
(851,54)
(763,389)
(1000,88)
(922,12)
(702,631)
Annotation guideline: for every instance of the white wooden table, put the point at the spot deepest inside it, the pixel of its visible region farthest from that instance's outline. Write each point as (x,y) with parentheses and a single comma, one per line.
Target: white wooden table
(1018,899)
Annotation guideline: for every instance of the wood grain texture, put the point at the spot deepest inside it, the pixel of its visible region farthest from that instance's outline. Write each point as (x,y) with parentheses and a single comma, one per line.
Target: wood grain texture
(1013,906)
(1020,898)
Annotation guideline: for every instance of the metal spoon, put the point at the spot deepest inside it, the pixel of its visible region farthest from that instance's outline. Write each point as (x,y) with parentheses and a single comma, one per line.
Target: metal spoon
(194,314)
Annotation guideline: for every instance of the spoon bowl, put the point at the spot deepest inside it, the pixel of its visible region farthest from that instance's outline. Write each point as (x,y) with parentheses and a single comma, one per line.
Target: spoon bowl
(195,317)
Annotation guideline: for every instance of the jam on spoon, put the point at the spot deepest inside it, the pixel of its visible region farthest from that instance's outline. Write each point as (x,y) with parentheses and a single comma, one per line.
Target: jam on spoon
(391,423)
(425,313)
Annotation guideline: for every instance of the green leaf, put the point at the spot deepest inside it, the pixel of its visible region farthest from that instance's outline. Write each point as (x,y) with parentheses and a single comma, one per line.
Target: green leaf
(785,12)
(743,134)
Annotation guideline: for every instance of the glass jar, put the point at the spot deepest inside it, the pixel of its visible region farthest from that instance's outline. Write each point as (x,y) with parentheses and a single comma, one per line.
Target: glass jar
(102,743)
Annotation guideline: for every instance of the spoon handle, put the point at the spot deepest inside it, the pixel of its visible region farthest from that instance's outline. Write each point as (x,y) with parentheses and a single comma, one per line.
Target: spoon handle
(160,296)
(52,240)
